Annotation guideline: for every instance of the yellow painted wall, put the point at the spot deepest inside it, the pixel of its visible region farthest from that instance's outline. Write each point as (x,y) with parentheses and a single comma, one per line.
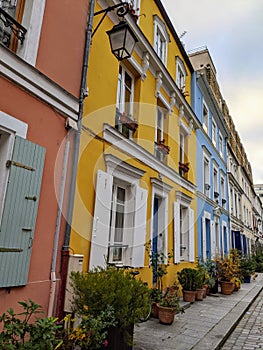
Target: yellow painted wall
(99,109)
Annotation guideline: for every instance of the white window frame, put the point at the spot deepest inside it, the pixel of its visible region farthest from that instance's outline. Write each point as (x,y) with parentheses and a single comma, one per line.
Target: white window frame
(161,115)
(205,117)
(121,174)
(221,144)
(214,133)
(9,128)
(223,189)
(206,174)
(215,180)
(180,74)
(32,19)
(161,36)
(120,98)
(184,234)
(161,191)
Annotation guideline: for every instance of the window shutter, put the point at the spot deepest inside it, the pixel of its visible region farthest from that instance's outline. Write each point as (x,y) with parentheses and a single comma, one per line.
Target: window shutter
(213,239)
(20,211)
(191,236)
(139,234)
(204,238)
(101,220)
(176,233)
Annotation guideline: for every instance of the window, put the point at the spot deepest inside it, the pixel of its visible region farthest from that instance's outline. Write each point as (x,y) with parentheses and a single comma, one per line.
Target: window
(183,229)
(205,117)
(29,16)
(180,74)
(214,133)
(222,190)
(161,39)
(215,183)
(220,144)
(14,10)
(161,147)
(22,165)
(183,150)
(119,225)
(124,105)
(206,176)
(159,229)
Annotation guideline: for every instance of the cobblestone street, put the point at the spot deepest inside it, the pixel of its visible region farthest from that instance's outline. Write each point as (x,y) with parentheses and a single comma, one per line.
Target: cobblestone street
(248,334)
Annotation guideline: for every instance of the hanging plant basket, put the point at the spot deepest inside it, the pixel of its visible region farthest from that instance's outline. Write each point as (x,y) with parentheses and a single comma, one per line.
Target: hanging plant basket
(162,147)
(184,167)
(129,122)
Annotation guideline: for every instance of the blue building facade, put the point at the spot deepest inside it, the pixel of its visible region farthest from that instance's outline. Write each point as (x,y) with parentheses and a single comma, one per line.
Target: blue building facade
(212,186)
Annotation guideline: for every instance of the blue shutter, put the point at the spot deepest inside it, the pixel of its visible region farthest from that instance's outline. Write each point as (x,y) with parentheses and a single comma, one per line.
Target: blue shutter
(20,211)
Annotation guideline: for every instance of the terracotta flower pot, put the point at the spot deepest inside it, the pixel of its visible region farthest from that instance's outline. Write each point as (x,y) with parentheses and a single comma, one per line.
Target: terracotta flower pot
(189,296)
(155,310)
(199,294)
(227,287)
(166,314)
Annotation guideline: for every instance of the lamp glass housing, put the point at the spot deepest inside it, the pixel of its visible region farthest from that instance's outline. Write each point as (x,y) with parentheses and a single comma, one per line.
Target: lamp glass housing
(122,40)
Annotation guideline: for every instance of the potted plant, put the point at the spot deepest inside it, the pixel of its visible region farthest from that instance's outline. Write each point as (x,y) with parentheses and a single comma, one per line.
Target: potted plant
(169,306)
(165,149)
(228,269)
(187,278)
(99,289)
(247,269)
(156,297)
(200,285)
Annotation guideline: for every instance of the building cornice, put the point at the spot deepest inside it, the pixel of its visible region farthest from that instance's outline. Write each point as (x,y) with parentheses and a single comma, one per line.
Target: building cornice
(134,150)
(30,79)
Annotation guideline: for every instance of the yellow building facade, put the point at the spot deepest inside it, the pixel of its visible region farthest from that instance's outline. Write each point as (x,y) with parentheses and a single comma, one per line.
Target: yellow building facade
(135,192)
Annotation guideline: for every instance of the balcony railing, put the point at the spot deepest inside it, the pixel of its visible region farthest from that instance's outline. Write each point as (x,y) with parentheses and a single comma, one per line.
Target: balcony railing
(14,27)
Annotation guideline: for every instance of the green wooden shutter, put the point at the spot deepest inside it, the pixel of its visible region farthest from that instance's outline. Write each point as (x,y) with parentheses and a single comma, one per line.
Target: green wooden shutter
(20,211)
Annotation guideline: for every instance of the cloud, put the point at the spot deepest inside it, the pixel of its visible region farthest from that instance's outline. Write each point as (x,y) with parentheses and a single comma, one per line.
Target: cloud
(233,32)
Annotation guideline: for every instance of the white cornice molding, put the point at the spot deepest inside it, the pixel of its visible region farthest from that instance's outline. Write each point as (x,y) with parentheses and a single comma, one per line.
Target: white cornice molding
(36,83)
(131,148)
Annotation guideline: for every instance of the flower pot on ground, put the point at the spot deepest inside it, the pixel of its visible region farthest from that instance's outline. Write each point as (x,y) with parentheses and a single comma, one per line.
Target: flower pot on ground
(247,269)
(228,269)
(128,297)
(168,307)
(227,287)
(188,279)
(156,297)
(199,295)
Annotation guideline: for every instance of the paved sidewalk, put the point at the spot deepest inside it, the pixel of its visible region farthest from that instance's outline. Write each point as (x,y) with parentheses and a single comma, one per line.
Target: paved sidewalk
(248,334)
(205,324)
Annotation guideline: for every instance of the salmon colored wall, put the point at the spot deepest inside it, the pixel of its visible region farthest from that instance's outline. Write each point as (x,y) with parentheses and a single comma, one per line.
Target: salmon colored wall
(46,128)
(61,47)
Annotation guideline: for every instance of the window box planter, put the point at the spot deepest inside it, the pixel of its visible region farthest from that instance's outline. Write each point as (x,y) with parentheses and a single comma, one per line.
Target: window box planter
(184,167)
(128,121)
(160,145)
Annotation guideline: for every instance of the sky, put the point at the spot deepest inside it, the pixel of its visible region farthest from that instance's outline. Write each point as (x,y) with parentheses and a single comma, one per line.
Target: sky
(232,30)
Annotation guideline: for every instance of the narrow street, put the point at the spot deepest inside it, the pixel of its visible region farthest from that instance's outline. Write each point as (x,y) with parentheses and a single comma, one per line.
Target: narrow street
(248,334)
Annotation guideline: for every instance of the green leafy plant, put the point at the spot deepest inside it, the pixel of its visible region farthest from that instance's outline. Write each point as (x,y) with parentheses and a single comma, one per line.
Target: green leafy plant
(171,300)
(247,267)
(227,267)
(20,332)
(188,278)
(159,263)
(208,267)
(96,290)
(91,333)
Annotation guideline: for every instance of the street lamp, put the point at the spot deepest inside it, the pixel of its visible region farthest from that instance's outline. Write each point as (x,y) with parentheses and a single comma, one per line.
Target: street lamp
(122,39)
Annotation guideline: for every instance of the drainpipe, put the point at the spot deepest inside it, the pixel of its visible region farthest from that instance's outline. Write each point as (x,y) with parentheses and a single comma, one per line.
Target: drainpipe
(58,223)
(83,94)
